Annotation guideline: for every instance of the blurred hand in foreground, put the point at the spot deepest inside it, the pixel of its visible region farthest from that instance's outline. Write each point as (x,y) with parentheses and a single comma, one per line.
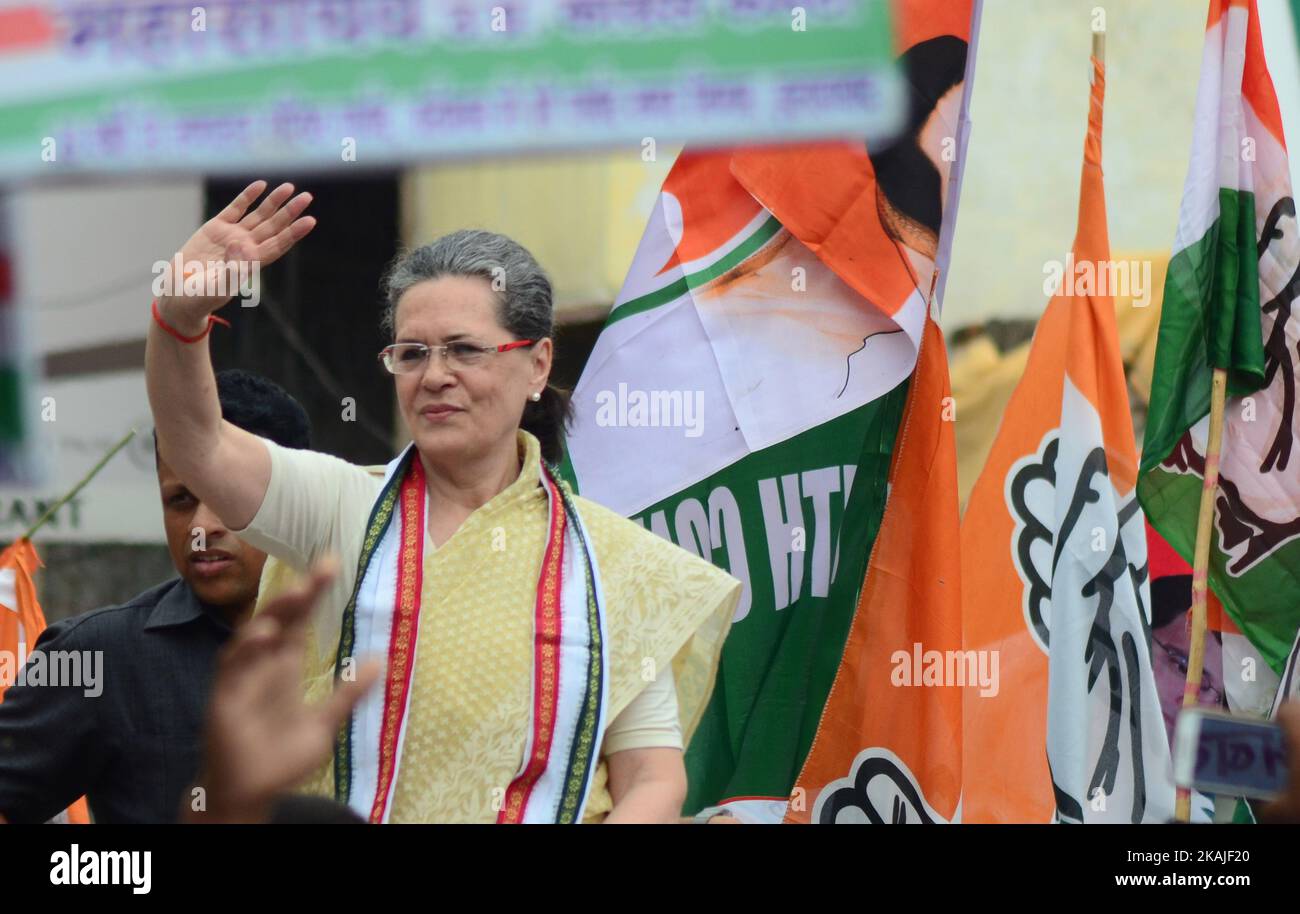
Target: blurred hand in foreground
(1287,808)
(262,738)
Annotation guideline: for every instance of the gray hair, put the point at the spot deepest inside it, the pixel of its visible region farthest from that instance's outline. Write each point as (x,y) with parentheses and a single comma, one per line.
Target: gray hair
(524,298)
(524,307)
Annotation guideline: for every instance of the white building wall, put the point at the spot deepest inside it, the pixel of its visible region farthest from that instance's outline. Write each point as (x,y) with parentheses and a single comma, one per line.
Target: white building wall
(83,261)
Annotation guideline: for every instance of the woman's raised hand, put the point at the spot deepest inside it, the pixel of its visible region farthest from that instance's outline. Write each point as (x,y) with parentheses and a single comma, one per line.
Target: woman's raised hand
(232,245)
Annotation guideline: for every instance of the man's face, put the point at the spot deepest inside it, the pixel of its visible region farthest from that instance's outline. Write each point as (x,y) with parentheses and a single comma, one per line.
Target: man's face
(222,570)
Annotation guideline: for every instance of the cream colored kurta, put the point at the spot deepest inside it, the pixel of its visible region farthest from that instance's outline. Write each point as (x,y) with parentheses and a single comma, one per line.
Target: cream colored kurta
(667,613)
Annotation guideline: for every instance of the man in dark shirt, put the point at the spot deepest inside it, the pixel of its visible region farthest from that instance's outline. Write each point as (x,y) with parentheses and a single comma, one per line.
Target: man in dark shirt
(131,741)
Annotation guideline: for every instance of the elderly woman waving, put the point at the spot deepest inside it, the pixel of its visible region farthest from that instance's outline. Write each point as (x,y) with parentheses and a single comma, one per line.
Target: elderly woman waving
(545,660)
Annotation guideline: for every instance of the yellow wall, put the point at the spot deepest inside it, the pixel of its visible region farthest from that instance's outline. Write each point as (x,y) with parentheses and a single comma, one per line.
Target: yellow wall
(1029,110)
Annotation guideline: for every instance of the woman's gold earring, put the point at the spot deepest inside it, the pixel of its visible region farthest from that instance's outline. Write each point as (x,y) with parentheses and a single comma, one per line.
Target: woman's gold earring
(535,396)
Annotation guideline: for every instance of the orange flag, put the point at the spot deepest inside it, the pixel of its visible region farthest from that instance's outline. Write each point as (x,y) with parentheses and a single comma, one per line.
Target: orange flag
(1055,570)
(21,623)
(889,745)
(21,619)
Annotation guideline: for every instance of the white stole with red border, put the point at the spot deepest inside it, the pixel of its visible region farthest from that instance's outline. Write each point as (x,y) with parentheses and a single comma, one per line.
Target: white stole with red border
(569,687)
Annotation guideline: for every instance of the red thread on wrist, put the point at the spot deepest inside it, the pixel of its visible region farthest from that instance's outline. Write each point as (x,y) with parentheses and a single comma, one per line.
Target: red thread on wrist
(212,319)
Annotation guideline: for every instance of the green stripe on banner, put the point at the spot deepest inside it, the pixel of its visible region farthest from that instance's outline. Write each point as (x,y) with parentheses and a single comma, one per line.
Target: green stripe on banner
(676,290)
(441,80)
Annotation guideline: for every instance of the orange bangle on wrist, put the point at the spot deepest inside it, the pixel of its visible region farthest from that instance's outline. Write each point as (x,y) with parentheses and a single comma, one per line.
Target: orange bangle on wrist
(172,331)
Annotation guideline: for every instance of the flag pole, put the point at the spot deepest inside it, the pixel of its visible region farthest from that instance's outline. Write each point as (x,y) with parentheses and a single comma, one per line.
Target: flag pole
(94,471)
(1201,564)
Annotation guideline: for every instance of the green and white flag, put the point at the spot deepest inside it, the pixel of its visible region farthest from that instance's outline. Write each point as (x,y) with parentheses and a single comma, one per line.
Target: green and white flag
(1229,302)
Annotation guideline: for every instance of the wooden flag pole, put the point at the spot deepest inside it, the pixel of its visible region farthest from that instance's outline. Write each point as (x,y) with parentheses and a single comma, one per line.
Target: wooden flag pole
(50,511)
(1201,565)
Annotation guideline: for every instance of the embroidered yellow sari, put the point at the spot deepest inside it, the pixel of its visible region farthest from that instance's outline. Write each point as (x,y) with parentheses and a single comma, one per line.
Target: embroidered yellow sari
(470,705)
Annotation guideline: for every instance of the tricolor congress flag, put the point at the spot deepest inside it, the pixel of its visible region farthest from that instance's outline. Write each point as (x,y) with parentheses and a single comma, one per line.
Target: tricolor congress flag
(743,397)
(1230,302)
(1054,570)
(744,406)
(889,747)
